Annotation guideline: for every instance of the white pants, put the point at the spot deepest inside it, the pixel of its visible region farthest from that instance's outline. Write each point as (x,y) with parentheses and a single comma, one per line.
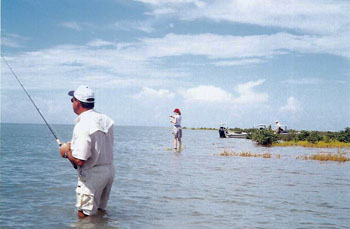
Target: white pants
(93,188)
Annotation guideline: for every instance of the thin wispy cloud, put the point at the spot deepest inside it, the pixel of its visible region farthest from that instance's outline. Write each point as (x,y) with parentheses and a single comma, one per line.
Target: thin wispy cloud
(173,3)
(303,81)
(72,25)
(248,95)
(11,43)
(144,58)
(100,43)
(221,46)
(12,40)
(292,105)
(150,93)
(302,15)
(144,26)
(239,62)
(104,63)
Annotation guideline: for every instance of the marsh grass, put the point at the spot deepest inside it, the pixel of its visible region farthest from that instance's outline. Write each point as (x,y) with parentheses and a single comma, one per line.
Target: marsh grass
(339,157)
(246,154)
(322,156)
(320,144)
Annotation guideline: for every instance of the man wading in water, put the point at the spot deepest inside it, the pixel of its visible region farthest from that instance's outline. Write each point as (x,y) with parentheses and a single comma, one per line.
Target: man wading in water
(91,150)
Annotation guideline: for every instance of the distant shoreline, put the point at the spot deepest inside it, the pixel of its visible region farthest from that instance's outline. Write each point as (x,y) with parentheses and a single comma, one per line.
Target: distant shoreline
(200,128)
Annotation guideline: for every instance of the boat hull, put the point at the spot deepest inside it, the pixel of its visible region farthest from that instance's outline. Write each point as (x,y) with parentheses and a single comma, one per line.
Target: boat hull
(234,135)
(223,133)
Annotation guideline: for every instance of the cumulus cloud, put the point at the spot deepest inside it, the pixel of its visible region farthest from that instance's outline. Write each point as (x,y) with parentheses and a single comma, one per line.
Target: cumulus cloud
(292,105)
(247,95)
(149,93)
(207,93)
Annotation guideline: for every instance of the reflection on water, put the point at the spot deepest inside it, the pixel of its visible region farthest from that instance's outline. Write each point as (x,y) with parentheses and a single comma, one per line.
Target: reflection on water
(160,188)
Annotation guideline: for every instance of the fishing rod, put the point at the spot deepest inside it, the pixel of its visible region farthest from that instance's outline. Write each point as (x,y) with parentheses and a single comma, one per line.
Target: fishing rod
(20,83)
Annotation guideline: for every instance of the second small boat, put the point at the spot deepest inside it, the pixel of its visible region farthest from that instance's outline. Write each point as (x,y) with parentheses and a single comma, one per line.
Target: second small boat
(224,133)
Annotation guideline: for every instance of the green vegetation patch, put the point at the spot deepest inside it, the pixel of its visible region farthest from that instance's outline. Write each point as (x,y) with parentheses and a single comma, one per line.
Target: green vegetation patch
(303,138)
(264,137)
(319,144)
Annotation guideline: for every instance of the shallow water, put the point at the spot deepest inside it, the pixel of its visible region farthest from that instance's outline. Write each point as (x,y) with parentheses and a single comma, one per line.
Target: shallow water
(156,187)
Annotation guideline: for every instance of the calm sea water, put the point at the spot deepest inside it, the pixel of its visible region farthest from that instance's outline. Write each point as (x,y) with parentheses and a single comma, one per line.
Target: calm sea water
(156,187)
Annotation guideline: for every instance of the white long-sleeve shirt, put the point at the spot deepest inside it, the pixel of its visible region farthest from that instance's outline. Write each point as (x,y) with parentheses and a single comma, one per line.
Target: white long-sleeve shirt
(93,139)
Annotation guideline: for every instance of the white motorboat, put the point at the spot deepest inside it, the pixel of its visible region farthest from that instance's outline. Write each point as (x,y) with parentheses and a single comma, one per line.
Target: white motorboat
(237,135)
(224,133)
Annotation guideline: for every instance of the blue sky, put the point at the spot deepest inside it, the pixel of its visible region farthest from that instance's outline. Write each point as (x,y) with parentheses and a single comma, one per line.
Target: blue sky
(239,62)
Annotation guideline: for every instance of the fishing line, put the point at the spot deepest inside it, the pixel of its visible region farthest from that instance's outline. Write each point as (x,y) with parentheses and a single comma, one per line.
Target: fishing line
(20,83)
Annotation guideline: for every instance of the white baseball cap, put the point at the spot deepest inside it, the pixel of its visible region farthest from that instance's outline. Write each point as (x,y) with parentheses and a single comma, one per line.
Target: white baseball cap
(83,94)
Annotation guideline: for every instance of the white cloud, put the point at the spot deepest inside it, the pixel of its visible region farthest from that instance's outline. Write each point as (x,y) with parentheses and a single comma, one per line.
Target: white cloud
(100,43)
(307,15)
(197,3)
(162,11)
(303,81)
(8,42)
(314,16)
(72,25)
(142,60)
(12,40)
(149,93)
(248,96)
(213,46)
(293,105)
(207,93)
(226,46)
(144,26)
(48,105)
(212,94)
(239,62)
(106,64)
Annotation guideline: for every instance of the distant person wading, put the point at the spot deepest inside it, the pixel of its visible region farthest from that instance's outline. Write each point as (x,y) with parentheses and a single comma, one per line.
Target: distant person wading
(91,152)
(177,130)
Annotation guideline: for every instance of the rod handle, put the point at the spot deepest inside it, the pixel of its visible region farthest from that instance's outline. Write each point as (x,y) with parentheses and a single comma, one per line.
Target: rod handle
(59,142)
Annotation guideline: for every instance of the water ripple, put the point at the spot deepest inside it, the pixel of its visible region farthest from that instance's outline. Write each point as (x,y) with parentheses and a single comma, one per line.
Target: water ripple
(159,188)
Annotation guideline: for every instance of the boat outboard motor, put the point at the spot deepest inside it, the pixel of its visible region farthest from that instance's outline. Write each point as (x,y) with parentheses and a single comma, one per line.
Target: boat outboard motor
(222,132)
